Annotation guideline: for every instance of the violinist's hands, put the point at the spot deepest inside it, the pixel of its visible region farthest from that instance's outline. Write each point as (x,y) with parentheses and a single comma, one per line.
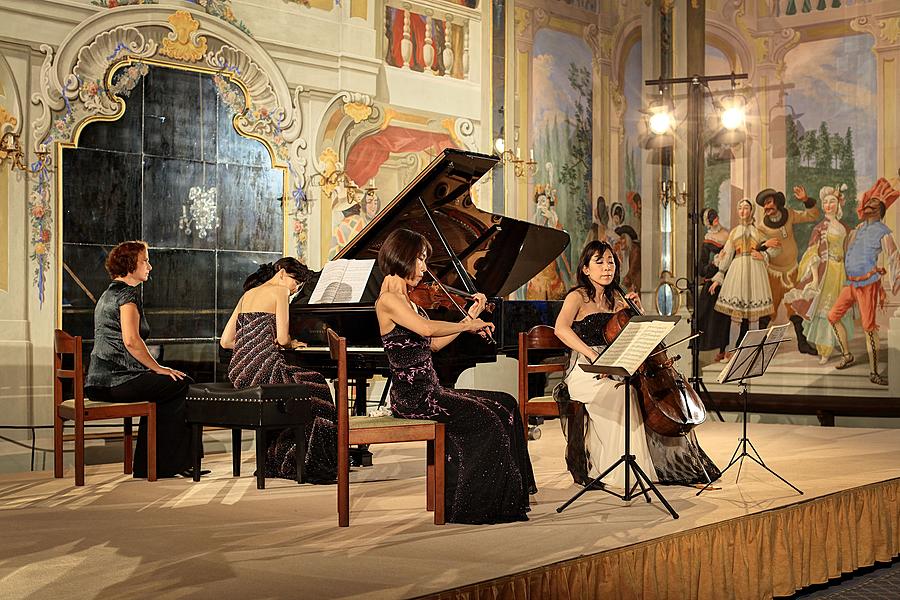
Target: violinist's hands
(393,284)
(483,328)
(478,307)
(294,344)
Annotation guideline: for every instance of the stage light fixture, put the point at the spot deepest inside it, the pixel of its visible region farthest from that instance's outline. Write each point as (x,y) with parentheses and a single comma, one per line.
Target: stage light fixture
(660,120)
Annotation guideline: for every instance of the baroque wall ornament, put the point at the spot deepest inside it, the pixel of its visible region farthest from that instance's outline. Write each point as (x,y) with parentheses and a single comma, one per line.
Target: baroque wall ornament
(183,43)
(105,56)
(885,31)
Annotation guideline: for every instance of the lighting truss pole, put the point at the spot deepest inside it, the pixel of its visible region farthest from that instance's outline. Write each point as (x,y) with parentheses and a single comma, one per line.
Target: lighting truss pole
(698,84)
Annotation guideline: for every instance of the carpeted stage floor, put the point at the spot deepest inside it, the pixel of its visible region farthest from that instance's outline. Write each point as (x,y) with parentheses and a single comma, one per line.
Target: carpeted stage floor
(123,538)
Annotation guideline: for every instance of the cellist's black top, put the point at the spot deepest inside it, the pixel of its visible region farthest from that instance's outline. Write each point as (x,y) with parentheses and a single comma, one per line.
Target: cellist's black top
(590,329)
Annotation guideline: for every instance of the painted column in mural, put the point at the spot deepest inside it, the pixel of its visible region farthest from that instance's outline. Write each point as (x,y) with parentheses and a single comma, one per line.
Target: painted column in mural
(605,94)
(767,146)
(886,32)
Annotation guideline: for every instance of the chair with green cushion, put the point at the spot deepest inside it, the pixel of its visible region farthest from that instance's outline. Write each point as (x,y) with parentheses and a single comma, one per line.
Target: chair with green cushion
(353,430)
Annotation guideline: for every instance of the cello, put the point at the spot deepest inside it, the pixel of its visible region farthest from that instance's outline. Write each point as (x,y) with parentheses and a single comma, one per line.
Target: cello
(671,406)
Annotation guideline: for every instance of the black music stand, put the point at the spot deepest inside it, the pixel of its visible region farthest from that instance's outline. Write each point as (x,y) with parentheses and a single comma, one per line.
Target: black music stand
(627,460)
(751,359)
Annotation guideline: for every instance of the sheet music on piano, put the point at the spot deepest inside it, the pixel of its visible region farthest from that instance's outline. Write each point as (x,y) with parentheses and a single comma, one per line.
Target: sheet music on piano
(342,280)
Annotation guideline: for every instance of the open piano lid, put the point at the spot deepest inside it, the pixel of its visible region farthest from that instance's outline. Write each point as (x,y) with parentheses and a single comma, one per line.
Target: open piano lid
(499,253)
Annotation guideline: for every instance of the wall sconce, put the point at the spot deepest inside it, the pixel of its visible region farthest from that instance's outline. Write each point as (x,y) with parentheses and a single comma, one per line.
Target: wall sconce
(668,193)
(521,168)
(12,149)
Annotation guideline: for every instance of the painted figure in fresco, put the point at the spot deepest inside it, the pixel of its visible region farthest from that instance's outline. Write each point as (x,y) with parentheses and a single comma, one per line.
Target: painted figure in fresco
(712,323)
(548,284)
(628,247)
(778,223)
(821,276)
(600,225)
(594,444)
(872,258)
(742,276)
(357,207)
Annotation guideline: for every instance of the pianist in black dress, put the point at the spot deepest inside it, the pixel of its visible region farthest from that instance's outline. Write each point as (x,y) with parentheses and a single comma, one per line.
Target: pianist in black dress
(257,329)
(488,470)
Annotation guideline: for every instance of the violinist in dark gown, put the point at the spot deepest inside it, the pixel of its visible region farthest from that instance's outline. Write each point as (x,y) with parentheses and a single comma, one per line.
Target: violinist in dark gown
(598,441)
(488,473)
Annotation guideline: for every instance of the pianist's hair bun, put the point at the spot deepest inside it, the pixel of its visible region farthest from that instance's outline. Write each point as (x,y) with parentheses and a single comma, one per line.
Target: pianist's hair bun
(293,267)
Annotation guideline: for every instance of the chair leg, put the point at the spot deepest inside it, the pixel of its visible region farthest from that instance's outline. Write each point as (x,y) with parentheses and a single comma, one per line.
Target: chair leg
(429,475)
(236,451)
(440,458)
(343,473)
(79,449)
(58,423)
(151,443)
(127,446)
(260,459)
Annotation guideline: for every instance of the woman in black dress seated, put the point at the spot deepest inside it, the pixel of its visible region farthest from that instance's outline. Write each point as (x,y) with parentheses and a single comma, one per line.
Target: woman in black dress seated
(488,470)
(123,370)
(257,330)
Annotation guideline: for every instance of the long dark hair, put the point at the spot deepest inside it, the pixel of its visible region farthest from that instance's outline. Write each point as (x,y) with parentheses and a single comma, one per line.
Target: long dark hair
(400,250)
(590,249)
(267,271)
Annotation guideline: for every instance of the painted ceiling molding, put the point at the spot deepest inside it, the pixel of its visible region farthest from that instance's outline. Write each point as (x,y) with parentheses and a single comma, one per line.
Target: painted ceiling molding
(76,84)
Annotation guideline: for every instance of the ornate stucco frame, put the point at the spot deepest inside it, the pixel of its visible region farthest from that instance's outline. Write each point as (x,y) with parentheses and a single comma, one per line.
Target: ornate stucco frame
(74,89)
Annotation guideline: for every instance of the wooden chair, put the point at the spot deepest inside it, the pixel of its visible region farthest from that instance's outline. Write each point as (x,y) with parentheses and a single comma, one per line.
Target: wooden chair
(539,337)
(354,430)
(80,409)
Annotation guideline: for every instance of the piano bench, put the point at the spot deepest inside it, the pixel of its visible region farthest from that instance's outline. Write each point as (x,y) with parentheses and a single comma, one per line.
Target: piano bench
(261,408)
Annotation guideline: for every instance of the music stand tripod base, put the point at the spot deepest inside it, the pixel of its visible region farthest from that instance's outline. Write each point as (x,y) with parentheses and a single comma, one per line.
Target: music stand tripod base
(740,452)
(627,460)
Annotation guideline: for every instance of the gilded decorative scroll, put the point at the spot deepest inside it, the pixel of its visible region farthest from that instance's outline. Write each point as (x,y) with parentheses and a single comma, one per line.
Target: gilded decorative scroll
(183,43)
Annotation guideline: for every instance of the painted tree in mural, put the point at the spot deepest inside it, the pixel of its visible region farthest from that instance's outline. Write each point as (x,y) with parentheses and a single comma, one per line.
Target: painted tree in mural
(575,171)
(816,159)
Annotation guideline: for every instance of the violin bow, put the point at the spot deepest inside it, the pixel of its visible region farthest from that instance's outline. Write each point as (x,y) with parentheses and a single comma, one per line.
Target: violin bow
(487,334)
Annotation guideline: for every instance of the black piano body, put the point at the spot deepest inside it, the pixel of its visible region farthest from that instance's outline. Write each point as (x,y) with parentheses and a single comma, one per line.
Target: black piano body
(472,250)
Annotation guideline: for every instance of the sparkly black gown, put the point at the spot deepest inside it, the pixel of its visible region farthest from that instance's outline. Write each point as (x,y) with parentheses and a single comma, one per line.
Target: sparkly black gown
(256,361)
(488,472)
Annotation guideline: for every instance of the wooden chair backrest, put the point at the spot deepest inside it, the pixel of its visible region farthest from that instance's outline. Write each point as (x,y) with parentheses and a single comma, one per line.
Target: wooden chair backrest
(63,345)
(539,337)
(337,347)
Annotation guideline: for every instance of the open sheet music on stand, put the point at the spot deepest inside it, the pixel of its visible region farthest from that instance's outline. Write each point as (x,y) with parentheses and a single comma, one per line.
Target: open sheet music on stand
(342,280)
(752,356)
(629,350)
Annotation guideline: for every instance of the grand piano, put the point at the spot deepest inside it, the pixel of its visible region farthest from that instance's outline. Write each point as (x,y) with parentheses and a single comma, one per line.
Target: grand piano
(472,250)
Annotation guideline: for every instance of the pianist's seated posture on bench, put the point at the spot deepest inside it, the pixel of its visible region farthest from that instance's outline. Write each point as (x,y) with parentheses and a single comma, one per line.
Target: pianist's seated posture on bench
(256,329)
(488,470)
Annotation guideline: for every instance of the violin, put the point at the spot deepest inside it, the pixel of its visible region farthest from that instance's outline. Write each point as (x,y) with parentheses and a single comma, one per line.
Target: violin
(430,295)
(671,406)
(436,294)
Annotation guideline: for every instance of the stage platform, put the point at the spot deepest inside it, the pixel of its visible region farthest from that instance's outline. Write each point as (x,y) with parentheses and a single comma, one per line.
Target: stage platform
(222,538)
